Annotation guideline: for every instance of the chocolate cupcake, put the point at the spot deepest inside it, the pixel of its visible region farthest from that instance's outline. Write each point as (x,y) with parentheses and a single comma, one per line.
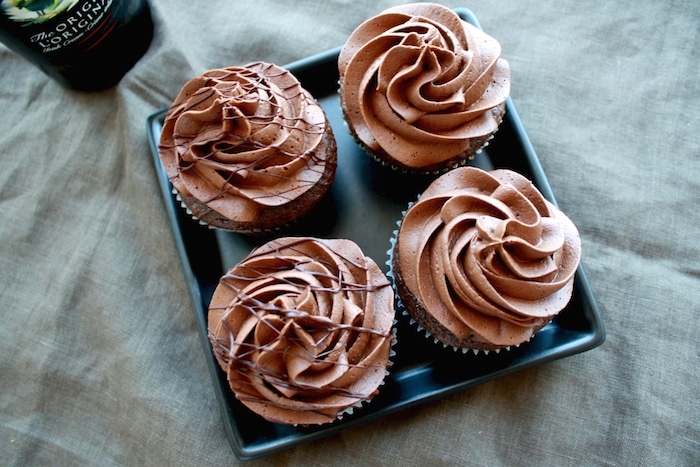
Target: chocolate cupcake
(303,329)
(421,89)
(483,261)
(247,149)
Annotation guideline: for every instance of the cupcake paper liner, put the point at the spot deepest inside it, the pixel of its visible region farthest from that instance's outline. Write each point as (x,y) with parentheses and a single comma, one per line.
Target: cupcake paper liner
(253,232)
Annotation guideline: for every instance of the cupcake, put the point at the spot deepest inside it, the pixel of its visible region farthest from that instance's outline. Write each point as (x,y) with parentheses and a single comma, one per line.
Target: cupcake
(421,89)
(482,260)
(303,329)
(247,149)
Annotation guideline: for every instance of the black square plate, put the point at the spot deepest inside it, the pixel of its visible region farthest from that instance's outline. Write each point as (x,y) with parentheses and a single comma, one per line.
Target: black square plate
(364,204)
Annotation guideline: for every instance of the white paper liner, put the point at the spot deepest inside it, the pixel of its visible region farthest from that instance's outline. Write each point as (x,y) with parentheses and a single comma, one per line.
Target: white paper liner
(260,232)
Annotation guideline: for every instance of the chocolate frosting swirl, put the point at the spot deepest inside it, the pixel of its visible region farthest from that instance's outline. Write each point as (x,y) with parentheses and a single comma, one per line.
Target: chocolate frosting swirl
(420,83)
(241,139)
(303,328)
(489,257)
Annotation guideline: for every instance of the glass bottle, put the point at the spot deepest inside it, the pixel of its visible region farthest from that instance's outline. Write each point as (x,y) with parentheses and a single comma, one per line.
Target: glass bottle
(86,45)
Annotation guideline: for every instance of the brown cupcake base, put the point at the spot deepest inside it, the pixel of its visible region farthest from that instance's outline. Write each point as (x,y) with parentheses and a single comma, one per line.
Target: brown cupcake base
(272,218)
(380,155)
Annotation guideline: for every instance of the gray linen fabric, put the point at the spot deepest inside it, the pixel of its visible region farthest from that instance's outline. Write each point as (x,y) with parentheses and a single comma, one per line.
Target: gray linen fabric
(100,360)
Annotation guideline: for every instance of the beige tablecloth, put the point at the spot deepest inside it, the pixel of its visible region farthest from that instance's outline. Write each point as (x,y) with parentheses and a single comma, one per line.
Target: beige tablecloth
(100,359)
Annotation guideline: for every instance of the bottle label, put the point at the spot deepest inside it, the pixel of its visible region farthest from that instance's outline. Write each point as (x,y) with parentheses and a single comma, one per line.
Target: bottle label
(54,24)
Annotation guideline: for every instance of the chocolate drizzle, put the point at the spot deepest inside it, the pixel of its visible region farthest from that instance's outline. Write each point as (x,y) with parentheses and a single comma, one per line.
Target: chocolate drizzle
(243,139)
(303,328)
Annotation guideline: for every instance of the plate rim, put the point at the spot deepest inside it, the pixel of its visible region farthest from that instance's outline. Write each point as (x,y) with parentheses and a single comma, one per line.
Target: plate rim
(247,452)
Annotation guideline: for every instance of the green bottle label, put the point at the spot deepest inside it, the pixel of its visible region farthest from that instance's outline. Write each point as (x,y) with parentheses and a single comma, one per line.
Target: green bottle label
(51,25)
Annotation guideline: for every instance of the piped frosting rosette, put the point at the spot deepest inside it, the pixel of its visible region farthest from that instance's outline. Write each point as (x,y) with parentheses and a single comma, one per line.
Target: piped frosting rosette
(483,261)
(422,88)
(303,329)
(247,147)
